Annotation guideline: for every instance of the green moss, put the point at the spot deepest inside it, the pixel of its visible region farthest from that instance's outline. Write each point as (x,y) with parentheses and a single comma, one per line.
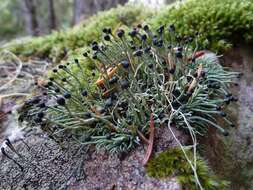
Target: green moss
(220,23)
(173,162)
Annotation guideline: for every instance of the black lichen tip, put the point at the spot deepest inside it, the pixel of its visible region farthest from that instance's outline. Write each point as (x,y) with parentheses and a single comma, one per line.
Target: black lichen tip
(146,28)
(172,28)
(94,56)
(94,43)
(144,37)
(138,53)
(107,38)
(180,48)
(172,71)
(160,29)
(124,84)
(203,74)
(42,105)
(84,93)
(160,43)
(125,63)
(104,30)
(95,47)
(155,40)
(133,33)
(147,49)
(139,25)
(232,125)
(120,33)
(85,54)
(57,90)
(50,83)
(227,100)
(60,101)
(40,115)
(61,66)
(113,80)
(225,133)
(67,95)
(107,30)
(223,114)
(179,54)
(63,79)
(178,38)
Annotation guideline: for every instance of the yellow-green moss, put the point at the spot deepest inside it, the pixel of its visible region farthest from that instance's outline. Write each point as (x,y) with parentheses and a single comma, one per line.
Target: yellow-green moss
(221,23)
(173,163)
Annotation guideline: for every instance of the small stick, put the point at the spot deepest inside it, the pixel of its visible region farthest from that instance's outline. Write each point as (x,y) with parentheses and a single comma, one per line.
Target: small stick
(151,141)
(199,71)
(5,154)
(192,85)
(143,138)
(8,143)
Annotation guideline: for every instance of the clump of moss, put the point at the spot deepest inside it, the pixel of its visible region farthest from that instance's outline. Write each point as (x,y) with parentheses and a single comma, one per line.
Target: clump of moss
(173,162)
(138,75)
(220,23)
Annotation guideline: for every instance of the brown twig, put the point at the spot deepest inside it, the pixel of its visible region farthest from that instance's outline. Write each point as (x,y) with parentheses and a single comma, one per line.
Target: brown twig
(142,137)
(151,140)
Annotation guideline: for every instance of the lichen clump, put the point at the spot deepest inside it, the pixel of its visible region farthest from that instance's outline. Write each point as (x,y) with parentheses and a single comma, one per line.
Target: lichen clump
(172,162)
(138,73)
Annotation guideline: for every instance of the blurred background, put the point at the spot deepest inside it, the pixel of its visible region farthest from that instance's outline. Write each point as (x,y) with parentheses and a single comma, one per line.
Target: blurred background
(40,17)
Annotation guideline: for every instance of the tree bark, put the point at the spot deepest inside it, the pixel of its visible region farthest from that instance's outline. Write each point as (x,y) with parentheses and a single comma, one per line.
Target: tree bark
(86,8)
(52,17)
(30,14)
